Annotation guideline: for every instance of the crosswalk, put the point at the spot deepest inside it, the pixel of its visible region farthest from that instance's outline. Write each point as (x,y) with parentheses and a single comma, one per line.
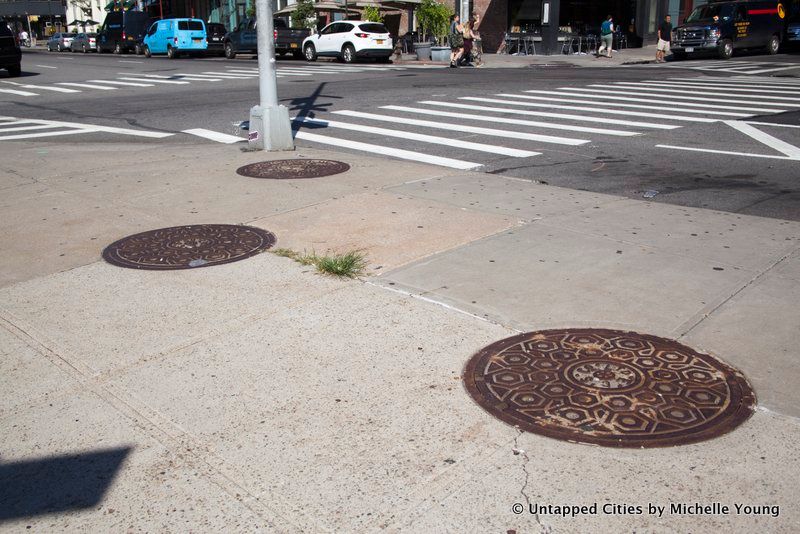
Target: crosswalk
(15,128)
(737,66)
(478,130)
(128,80)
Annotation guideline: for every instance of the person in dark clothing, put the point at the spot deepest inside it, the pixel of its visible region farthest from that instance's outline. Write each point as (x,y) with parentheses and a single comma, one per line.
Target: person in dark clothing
(664,39)
(456,38)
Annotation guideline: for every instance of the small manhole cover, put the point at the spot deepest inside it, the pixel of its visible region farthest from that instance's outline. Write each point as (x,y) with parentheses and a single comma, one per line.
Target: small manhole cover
(187,247)
(286,169)
(611,388)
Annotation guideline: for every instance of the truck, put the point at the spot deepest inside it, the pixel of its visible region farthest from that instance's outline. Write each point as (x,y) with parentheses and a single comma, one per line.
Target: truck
(243,39)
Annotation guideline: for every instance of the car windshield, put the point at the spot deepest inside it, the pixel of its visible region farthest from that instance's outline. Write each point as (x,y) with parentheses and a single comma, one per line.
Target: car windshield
(708,12)
(374,28)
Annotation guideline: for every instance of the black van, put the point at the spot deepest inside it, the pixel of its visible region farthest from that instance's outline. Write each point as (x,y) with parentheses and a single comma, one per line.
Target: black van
(10,54)
(121,31)
(722,27)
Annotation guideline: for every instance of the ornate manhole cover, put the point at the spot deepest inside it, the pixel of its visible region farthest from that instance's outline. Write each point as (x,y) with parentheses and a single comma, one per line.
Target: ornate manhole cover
(607,387)
(284,169)
(187,247)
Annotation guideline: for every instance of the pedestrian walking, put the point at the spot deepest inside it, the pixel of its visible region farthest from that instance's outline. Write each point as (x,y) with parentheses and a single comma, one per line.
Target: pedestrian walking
(23,38)
(466,56)
(456,39)
(477,42)
(664,39)
(606,36)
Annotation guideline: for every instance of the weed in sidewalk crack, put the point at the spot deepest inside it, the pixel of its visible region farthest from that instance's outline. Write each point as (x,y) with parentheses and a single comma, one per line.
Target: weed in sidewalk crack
(348,265)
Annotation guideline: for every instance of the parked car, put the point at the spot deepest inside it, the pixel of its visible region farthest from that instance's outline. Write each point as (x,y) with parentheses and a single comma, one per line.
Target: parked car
(60,41)
(174,37)
(244,40)
(10,54)
(121,31)
(84,42)
(793,26)
(722,27)
(215,35)
(350,40)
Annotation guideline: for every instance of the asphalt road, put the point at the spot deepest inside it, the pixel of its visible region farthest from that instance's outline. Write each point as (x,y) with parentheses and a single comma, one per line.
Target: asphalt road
(633,130)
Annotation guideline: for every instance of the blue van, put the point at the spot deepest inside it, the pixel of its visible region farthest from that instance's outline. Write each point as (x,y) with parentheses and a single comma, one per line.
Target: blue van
(176,36)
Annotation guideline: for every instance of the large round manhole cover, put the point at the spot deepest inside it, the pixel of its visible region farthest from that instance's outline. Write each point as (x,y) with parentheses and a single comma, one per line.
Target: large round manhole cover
(187,247)
(607,387)
(285,169)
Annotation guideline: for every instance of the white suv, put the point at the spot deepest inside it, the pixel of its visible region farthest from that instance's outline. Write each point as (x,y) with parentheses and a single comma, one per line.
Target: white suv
(349,40)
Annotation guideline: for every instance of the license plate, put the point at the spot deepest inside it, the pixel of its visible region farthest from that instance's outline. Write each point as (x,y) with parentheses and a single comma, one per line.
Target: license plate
(379,41)
(689,49)
(197,39)
(293,45)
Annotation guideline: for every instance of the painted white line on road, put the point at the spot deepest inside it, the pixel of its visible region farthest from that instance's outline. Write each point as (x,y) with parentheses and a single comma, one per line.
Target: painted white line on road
(590,109)
(29,126)
(97,128)
(653,101)
(46,66)
(763,71)
(590,100)
(690,85)
(565,116)
(129,61)
(114,82)
(446,141)
(231,75)
(765,138)
(673,97)
(734,82)
(50,88)
(661,89)
(17,92)
(769,81)
(219,137)
(504,120)
(88,86)
(153,80)
(464,128)
(725,152)
(387,151)
(43,134)
(774,124)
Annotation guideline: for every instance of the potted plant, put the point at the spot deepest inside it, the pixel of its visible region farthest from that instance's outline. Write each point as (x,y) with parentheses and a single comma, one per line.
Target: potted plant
(433,19)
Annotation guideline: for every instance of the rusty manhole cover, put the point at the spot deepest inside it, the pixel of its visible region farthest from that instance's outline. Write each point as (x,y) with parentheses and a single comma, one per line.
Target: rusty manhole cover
(285,169)
(607,387)
(187,247)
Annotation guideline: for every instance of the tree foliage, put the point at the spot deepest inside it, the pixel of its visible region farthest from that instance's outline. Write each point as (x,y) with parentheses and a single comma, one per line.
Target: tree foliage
(304,15)
(372,14)
(434,19)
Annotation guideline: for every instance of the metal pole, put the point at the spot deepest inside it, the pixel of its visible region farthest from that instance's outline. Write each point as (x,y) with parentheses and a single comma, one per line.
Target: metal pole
(270,128)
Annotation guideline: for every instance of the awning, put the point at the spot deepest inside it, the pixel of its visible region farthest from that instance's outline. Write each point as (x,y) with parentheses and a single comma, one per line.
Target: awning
(318,6)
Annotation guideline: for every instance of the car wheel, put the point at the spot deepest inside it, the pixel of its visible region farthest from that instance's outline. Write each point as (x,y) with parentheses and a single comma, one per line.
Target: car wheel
(117,48)
(59,48)
(310,52)
(15,70)
(774,45)
(230,53)
(725,49)
(171,53)
(146,51)
(137,49)
(348,53)
(85,49)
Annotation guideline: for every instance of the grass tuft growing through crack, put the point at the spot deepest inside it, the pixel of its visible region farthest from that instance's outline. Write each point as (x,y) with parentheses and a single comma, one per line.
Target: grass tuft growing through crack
(348,265)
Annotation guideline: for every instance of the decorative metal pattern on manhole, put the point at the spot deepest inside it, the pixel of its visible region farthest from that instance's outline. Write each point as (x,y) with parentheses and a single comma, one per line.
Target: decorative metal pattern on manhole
(187,247)
(284,169)
(608,387)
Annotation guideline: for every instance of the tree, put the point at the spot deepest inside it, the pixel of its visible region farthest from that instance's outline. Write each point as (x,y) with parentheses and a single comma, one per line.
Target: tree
(434,19)
(372,14)
(304,15)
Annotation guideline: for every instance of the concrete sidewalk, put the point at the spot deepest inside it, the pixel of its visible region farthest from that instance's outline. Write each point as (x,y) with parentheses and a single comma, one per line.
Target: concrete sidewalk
(261,396)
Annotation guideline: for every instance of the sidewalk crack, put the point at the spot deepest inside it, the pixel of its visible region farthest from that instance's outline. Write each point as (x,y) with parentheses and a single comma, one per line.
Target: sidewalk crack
(523,491)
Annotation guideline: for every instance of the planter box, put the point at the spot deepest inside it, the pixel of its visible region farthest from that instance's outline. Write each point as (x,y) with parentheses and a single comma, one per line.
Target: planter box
(440,54)
(423,51)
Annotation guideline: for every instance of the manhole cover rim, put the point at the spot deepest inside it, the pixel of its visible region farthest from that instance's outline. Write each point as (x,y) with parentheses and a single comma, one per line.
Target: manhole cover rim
(109,252)
(314,167)
(742,400)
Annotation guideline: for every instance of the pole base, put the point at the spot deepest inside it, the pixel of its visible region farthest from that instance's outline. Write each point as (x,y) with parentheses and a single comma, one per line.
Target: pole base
(270,129)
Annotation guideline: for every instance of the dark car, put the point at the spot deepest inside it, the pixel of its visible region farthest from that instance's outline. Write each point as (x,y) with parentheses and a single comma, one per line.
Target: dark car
(121,31)
(216,38)
(10,54)
(243,39)
(722,27)
(84,42)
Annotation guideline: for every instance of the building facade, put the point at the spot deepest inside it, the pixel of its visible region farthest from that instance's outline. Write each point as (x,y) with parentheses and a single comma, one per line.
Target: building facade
(39,17)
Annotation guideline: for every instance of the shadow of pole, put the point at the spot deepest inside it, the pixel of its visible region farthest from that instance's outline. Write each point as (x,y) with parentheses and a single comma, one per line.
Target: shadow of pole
(308,106)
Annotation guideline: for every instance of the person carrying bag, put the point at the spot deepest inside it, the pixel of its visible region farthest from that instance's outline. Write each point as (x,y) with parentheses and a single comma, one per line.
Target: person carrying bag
(456,39)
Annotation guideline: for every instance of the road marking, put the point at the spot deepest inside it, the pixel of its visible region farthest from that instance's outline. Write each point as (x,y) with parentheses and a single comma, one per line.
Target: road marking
(114,82)
(762,71)
(87,86)
(42,134)
(287,72)
(765,138)
(387,151)
(153,80)
(17,92)
(567,116)
(129,61)
(688,85)
(3,125)
(231,75)
(774,124)
(465,128)
(657,105)
(735,81)
(770,81)
(446,141)
(219,137)
(760,86)
(724,152)
(594,110)
(673,97)
(45,66)
(50,88)
(95,128)
(660,89)
(504,120)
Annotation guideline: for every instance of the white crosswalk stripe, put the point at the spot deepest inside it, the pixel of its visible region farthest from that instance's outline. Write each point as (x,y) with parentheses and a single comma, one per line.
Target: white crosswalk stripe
(38,128)
(660,98)
(598,101)
(737,66)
